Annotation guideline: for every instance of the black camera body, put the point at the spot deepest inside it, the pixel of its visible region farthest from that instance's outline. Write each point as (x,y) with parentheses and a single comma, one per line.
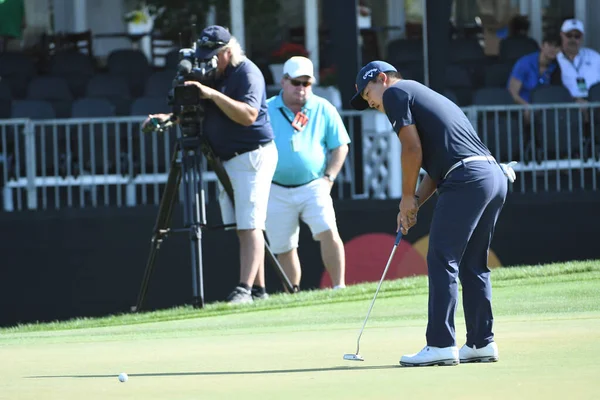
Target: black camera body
(191,68)
(185,96)
(186,101)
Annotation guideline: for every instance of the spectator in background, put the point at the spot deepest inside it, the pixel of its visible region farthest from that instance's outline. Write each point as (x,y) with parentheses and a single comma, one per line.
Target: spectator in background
(580,66)
(12,23)
(535,69)
(307,128)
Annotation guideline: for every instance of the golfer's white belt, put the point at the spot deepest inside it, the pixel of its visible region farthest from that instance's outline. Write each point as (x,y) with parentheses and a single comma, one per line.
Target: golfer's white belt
(468,160)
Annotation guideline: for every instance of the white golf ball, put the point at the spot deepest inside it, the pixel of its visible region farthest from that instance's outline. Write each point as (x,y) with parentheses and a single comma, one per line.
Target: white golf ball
(123,377)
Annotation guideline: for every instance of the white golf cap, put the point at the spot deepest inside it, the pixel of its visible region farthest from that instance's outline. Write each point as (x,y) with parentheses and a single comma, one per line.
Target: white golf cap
(298,66)
(572,25)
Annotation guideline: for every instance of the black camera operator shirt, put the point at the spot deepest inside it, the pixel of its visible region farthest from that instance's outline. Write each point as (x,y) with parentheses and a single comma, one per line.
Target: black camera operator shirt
(244,83)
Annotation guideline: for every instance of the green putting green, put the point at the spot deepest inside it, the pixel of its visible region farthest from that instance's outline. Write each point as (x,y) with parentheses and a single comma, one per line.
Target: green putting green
(547,324)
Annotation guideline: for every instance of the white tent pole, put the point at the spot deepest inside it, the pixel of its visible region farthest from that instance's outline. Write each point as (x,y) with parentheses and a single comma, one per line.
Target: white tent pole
(524,7)
(580,13)
(535,18)
(580,8)
(211,15)
(396,17)
(311,32)
(425,45)
(80,17)
(237,21)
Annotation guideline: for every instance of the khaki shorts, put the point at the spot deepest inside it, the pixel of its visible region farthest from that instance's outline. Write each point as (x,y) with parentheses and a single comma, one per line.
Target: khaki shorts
(310,203)
(250,174)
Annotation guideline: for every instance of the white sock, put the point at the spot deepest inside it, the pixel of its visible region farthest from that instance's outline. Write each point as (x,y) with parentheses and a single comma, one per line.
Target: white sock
(339,287)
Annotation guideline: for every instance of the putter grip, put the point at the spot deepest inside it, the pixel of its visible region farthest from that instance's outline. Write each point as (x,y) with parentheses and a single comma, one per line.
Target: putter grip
(398,237)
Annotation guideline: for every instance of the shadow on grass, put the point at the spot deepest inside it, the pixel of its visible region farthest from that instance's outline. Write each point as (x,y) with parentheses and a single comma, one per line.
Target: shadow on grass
(212,373)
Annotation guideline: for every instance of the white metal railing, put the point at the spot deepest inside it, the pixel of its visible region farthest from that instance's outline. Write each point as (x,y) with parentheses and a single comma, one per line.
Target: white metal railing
(559,149)
(101,162)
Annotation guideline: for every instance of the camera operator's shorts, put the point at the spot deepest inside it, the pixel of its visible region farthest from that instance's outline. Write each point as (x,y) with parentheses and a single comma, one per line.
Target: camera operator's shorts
(250,174)
(311,202)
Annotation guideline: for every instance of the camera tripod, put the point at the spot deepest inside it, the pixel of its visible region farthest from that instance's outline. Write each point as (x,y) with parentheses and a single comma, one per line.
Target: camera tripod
(189,169)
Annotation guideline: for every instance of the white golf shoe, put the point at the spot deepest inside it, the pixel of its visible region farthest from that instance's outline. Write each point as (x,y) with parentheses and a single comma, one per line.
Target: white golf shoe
(430,356)
(488,353)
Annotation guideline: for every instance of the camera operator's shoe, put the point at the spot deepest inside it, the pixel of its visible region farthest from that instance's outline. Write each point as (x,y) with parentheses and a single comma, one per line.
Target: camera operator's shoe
(430,356)
(240,295)
(259,295)
(488,353)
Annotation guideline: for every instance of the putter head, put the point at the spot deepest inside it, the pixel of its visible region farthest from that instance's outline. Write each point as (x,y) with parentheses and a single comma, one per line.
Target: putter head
(353,357)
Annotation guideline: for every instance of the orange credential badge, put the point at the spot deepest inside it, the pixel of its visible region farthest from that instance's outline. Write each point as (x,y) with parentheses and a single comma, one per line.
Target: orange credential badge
(300,121)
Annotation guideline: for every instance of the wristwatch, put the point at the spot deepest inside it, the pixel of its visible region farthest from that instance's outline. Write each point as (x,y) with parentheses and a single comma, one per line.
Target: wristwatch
(329,177)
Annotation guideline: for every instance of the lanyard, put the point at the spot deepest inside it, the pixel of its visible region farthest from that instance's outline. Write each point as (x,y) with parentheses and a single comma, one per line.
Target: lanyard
(300,119)
(576,68)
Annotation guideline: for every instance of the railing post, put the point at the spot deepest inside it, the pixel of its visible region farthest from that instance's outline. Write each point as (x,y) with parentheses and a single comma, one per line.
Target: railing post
(130,195)
(8,203)
(30,164)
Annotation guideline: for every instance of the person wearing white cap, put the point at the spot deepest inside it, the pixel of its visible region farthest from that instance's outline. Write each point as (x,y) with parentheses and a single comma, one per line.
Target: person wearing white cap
(580,66)
(307,128)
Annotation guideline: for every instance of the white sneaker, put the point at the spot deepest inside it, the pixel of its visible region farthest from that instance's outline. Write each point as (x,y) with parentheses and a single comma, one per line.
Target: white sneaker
(431,356)
(488,353)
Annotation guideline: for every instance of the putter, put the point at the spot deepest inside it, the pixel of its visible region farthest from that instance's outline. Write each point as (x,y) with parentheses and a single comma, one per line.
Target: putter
(356,356)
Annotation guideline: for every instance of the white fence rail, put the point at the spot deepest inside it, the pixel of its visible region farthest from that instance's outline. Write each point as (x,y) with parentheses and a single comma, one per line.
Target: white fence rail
(557,150)
(108,162)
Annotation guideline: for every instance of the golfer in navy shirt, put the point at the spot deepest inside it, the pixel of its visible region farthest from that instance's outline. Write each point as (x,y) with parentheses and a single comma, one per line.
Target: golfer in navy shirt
(437,136)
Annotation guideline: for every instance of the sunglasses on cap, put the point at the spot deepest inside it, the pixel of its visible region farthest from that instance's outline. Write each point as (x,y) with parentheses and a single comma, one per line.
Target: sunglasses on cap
(296,82)
(210,44)
(575,36)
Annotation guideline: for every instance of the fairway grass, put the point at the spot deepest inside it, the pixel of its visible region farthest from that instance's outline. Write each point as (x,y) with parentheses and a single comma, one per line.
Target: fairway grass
(547,325)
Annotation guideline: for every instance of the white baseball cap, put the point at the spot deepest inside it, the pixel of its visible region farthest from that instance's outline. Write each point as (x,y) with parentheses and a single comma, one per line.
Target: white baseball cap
(298,66)
(572,25)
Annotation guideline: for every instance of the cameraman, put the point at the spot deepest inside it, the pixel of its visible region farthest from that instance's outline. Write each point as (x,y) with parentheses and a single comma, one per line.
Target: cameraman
(237,127)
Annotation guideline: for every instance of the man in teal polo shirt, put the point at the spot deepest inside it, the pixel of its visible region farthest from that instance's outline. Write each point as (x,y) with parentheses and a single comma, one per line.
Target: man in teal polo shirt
(312,143)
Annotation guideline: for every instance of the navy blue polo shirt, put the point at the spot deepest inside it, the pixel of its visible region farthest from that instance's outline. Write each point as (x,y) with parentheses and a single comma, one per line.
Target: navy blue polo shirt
(244,83)
(446,134)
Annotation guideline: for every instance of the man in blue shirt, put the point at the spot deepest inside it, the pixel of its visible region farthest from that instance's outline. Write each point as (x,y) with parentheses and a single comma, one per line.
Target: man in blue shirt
(307,127)
(536,69)
(437,136)
(237,126)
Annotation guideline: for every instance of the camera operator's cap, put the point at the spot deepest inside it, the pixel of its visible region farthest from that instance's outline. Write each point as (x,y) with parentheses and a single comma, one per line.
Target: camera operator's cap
(298,66)
(572,25)
(366,74)
(211,40)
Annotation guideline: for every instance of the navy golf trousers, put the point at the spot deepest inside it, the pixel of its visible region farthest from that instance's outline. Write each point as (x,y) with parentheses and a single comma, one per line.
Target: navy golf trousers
(469,202)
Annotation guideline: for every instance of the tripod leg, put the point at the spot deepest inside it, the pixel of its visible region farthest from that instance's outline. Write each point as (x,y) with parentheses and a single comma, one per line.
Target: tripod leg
(279,269)
(161,226)
(194,219)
